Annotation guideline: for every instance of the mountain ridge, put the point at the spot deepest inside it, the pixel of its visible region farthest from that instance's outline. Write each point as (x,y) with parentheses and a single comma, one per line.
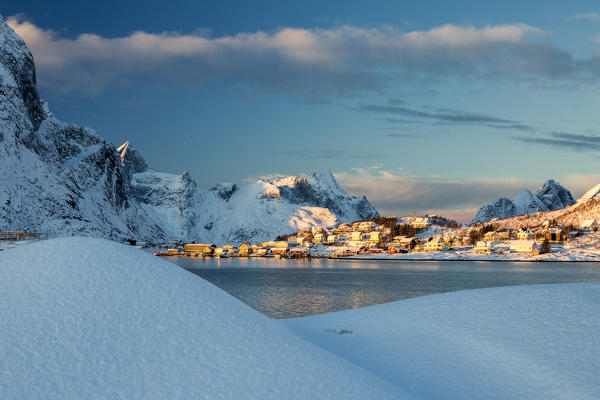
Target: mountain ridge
(549,197)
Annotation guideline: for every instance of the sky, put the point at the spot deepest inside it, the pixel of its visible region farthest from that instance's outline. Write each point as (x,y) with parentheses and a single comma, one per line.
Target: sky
(431,107)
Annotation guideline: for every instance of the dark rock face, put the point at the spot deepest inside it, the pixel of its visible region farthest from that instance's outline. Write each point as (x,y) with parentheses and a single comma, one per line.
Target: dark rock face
(225,190)
(17,59)
(551,196)
(555,196)
(499,208)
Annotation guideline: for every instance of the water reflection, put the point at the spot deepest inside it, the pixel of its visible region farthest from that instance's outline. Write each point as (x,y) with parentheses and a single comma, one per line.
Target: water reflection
(292,288)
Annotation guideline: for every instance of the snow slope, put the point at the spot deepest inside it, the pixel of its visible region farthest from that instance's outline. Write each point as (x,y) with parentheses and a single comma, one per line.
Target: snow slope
(87,318)
(521,342)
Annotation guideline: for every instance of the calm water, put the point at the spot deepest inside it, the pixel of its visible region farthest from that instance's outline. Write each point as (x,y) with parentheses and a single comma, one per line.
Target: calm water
(294,288)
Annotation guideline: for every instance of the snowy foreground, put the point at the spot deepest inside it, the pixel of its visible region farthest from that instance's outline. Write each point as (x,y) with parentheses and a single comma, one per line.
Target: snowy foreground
(520,342)
(89,318)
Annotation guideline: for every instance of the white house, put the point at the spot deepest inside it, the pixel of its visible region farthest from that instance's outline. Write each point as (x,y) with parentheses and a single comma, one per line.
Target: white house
(484,247)
(588,225)
(524,234)
(523,246)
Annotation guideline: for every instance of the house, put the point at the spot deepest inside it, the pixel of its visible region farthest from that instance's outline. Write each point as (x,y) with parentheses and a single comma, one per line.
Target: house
(296,251)
(230,249)
(246,248)
(283,247)
(356,236)
(420,223)
(523,246)
(374,236)
(554,235)
(502,236)
(318,237)
(589,225)
(344,228)
(300,240)
(435,244)
(483,247)
(490,236)
(394,249)
(405,242)
(366,226)
(331,238)
(268,244)
(206,248)
(524,234)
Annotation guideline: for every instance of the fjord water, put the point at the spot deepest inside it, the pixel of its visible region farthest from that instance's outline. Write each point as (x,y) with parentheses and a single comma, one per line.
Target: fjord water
(296,288)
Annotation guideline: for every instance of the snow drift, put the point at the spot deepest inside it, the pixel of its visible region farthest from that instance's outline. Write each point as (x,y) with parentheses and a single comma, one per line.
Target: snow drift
(521,342)
(88,318)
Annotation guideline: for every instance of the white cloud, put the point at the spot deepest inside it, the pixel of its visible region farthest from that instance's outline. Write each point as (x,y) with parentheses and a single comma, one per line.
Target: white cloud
(397,193)
(306,61)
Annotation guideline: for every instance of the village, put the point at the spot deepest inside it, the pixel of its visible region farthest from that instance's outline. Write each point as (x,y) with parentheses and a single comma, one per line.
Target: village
(417,238)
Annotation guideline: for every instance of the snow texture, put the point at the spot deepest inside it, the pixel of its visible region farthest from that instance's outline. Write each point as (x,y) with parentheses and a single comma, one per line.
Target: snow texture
(63,179)
(86,318)
(526,342)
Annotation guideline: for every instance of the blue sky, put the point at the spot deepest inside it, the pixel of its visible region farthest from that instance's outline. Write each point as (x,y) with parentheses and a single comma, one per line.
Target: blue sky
(430,106)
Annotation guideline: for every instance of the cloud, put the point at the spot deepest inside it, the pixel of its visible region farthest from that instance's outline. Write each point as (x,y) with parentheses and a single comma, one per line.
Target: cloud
(443,116)
(593,16)
(310,62)
(565,140)
(398,193)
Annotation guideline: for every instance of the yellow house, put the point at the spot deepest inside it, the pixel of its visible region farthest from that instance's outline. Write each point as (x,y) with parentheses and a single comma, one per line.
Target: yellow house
(331,238)
(199,248)
(374,236)
(435,245)
(318,237)
(356,236)
(490,236)
(420,223)
(246,248)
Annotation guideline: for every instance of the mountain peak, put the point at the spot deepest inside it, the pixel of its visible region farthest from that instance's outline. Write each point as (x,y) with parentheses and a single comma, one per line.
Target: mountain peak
(550,196)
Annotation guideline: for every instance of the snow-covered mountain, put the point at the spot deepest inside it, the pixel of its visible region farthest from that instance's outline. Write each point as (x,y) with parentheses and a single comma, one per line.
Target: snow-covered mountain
(63,179)
(257,211)
(551,196)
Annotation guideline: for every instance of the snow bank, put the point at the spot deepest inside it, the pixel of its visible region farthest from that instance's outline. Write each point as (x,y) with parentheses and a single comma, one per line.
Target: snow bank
(526,342)
(88,318)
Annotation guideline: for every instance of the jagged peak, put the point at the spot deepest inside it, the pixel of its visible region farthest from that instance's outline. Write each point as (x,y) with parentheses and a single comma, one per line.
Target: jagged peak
(122,149)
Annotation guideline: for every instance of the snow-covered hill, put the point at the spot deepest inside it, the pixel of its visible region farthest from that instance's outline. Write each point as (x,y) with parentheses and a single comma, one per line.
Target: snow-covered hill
(551,196)
(63,179)
(85,318)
